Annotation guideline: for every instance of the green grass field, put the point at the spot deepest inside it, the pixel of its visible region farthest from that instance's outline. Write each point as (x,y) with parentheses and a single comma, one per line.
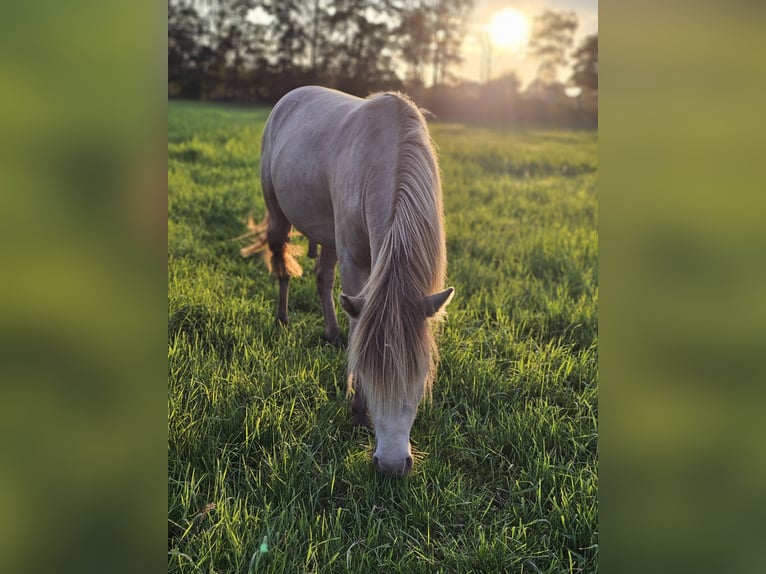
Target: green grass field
(260,447)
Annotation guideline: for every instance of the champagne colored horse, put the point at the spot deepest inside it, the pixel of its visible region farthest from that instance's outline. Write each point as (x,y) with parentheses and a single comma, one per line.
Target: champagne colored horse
(359,177)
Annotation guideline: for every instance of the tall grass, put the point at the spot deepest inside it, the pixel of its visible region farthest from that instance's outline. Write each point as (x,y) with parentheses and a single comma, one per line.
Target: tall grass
(260,446)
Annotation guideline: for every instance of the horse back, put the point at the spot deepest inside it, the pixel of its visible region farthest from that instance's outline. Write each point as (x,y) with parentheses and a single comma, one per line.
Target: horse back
(322,152)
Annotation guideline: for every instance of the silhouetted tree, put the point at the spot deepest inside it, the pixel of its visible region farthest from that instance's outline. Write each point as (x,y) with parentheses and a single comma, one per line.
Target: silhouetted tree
(414,34)
(357,45)
(289,32)
(257,50)
(228,48)
(430,34)
(585,77)
(585,68)
(189,59)
(451,17)
(552,37)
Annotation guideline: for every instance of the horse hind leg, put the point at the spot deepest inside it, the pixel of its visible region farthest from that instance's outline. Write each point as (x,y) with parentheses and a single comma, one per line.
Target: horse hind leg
(282,261)
(277,262)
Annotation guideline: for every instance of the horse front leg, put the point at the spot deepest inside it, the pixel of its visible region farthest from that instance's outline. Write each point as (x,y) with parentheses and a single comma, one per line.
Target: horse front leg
(359,415)
(325,274)
(353,277)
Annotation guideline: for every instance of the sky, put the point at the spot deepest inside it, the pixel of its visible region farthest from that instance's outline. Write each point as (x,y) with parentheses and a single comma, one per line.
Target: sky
(508,58)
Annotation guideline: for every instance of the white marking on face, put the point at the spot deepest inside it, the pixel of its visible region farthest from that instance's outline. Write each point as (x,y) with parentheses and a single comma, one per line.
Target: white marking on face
(393,454)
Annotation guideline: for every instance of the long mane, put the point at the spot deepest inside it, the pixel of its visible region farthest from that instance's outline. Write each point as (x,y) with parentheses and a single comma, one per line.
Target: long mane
(393,346)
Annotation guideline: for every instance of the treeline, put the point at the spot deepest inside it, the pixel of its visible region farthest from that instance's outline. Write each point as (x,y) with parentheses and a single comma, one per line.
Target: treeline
(257,50)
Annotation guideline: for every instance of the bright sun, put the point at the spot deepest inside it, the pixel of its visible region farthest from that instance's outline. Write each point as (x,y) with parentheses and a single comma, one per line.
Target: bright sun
(509,28)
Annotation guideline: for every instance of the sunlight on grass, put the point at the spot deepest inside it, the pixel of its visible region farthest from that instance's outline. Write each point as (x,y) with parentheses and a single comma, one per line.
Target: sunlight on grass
(260,443)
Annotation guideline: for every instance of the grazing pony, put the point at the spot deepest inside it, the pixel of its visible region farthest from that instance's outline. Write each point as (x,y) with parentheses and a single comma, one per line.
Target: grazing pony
(359,177)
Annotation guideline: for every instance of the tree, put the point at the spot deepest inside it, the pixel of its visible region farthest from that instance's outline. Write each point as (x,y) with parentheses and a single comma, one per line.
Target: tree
(415,39)
(259,49)
(188,57)
(449,29)
(213,48)
(290,33)
(358,46)
(585,68)
(431,32)
(552,37)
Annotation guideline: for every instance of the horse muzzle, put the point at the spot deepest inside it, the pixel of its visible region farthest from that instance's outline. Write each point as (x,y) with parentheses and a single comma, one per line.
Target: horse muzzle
(393,467)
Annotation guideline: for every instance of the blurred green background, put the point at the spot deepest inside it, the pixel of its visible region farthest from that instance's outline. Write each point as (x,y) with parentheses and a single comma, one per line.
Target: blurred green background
(82,295)
(682,276)
(83,305)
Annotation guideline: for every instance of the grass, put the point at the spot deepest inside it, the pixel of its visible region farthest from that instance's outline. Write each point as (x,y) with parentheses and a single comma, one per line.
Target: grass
(260,446)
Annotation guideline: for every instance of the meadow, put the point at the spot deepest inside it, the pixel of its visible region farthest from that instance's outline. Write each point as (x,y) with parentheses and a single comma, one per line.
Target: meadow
(265,472)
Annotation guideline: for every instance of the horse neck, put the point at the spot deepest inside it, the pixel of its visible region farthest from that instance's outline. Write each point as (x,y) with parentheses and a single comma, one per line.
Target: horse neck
(408,247)
(403,204)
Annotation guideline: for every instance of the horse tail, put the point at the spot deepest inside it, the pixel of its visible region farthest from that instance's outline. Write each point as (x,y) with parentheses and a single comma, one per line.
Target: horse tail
(281,259)
(257,232)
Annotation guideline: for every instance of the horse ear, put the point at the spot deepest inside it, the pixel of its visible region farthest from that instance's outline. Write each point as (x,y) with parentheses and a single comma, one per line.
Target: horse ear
(436,302)
(351,305)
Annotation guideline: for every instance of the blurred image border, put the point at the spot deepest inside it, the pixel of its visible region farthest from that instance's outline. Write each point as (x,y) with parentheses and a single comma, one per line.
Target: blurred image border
(682,265)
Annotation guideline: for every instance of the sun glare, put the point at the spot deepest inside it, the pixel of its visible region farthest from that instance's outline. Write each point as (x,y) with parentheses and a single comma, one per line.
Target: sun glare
(509,28)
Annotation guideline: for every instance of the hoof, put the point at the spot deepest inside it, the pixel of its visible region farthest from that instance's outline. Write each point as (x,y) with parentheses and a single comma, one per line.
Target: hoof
(282,321)
(335,340)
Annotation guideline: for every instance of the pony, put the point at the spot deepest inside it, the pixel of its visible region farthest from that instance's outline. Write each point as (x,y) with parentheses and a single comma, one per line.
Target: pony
(359,177)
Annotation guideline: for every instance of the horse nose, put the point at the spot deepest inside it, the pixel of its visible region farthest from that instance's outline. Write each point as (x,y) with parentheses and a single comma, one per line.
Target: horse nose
(399,468)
